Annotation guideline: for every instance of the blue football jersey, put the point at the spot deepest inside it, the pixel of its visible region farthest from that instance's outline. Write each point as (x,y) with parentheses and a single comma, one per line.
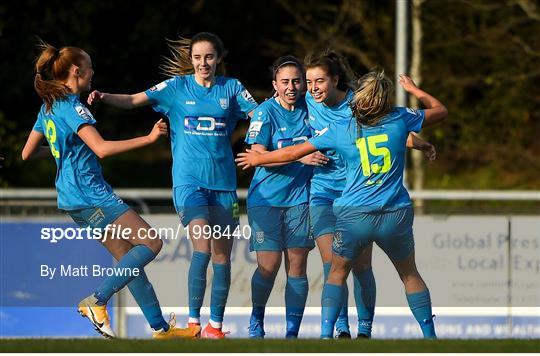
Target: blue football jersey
(275,127)
(201,123)
(79,180)
(332,175)
(374,158)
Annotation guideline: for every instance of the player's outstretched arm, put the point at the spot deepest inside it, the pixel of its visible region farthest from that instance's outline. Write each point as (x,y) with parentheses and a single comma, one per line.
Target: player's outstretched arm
(415,142)
(33,148)
(103,148)
(252,158)
(123,101)
(312,159)
(435,111)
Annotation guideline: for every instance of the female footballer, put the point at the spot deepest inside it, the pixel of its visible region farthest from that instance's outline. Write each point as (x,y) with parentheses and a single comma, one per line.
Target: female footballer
(330,82)
(203,109)
(278,197)
(75,144)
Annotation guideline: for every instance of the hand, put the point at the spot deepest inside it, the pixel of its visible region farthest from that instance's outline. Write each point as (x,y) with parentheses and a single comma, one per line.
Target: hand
(247,159)
(159,129)
(407,83)
(429,151)
(95,96)
(315,159)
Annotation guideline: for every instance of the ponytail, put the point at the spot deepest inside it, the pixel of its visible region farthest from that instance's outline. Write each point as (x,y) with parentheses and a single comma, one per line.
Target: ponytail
(372,100)
(52,69)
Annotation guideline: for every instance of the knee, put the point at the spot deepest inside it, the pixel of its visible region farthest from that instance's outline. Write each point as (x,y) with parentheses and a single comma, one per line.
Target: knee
(297,268)
(362,267)
(221,258)
(268,272)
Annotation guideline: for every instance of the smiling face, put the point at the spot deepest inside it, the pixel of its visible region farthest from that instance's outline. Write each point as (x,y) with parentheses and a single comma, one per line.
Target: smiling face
(288,85)
(205,59)
(320,85)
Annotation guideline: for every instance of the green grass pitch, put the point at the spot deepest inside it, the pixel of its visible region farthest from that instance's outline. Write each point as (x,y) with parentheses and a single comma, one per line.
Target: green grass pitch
(270,345)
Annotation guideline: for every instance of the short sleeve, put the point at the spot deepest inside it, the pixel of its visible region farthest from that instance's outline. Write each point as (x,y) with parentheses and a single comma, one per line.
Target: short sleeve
(326,138)
(260,130)
(245,101)
(162,95)
(38,126)
(413,118)
(78,116)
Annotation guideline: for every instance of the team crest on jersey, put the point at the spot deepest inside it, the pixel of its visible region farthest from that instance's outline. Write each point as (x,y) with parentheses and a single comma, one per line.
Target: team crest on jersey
(259,237)
(84,112)
(247,97)
(224,103)
(159,86)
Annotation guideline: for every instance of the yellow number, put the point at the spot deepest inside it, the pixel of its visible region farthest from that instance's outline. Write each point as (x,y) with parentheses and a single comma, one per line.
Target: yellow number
(371,146)
(50,133)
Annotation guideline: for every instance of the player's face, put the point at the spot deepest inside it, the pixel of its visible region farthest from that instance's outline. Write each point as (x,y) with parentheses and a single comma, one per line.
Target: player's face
(320,85)
(86,72)
(288,84)
(204,59)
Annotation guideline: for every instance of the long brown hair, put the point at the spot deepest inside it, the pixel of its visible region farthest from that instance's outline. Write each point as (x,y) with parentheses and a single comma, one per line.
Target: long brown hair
(373,98)
(335,65)
(179,62)
(52,69)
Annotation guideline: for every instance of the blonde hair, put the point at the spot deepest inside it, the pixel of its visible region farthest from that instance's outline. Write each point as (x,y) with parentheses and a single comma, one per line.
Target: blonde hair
(52,69)
(179,62)
(373,98)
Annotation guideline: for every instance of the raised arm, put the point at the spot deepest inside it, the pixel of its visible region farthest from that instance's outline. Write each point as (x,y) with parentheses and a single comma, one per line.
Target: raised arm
(103,148)
(435,111)
(123,101)
(33,148)
(252,158)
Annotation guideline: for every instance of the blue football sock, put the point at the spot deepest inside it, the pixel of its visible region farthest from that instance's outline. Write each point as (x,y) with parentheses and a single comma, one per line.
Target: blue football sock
(342,323)
(138,257)
(197,282)
(420,304)
(260,292)
(145,296)
(365,293)
(296,292)
(331,306)
(220,291)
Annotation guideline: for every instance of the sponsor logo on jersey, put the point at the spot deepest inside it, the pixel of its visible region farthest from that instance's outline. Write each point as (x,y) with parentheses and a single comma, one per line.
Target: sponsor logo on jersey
(191,102)
(312,118)
(224,103)
(159,86)
(282,129)
(247,97)
(205,125)
(84,112)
